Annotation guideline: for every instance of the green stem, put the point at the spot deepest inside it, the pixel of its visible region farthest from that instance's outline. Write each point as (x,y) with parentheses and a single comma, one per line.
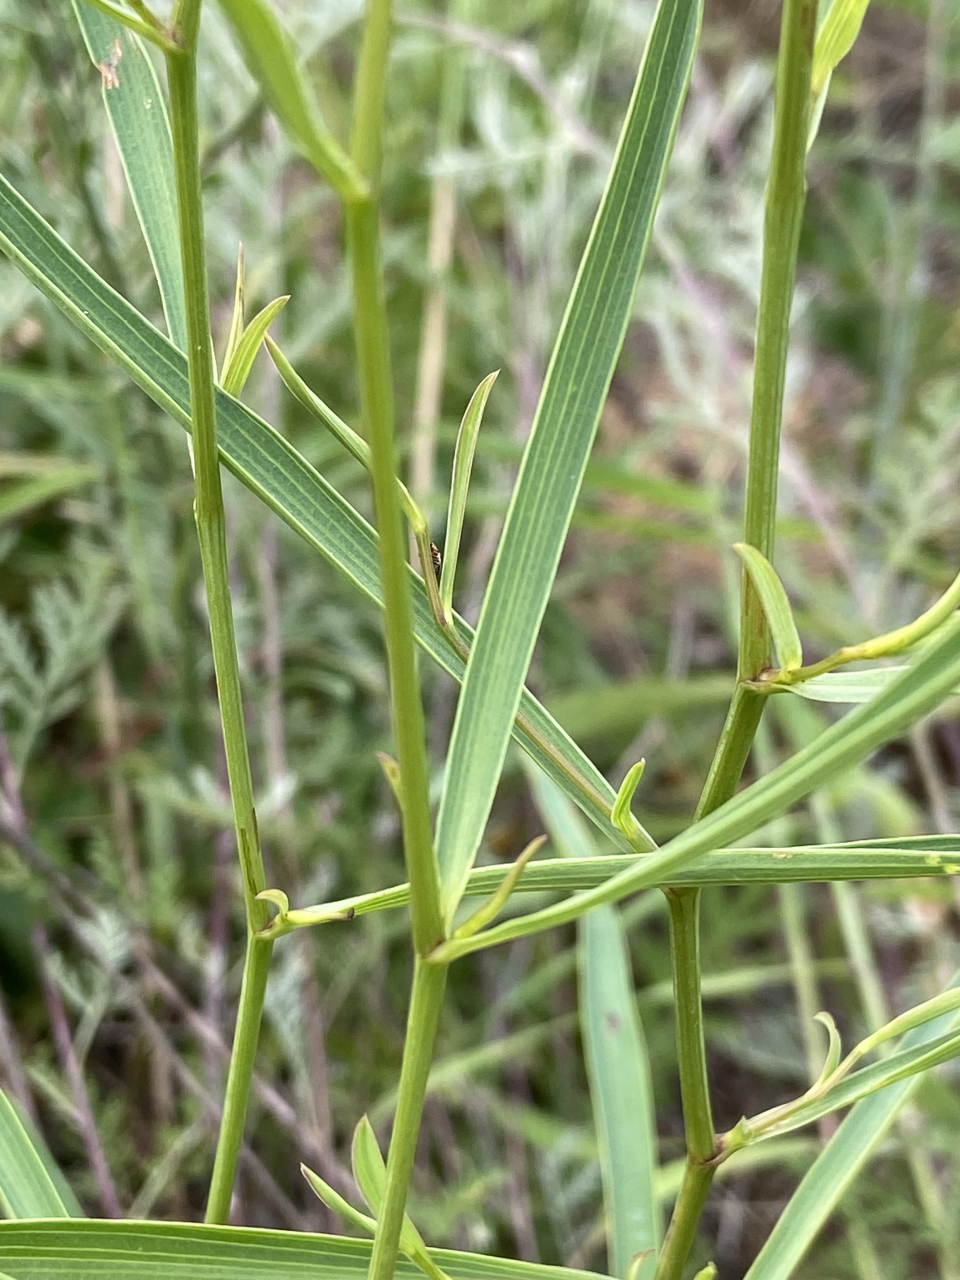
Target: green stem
(682,1231)
(376,396)
(256,969)
(786,192)
(685,956)
(426,1000)
(211,527)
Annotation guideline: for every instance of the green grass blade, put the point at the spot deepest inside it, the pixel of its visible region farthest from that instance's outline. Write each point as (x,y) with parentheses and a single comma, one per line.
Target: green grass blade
(459,486)
(794,865)
(911,697)
(237,369)
(776,606)
(556,455)
(138,117)
(31,1185)
(835,39)
(824,1184)
(90,1250)
(272,469)
(618,1071)
(271,60)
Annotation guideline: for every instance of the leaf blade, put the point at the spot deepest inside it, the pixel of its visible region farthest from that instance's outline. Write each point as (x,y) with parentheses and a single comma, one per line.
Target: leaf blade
(557,451)
(31,1185)
(138,117)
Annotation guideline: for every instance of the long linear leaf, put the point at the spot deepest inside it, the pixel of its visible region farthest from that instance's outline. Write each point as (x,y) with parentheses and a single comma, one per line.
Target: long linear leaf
(798,864)
(138,116)
(271,468)
(911,697)
(825,1182)
(618,1070)
(31,1185)
(88,1250)
(556,455)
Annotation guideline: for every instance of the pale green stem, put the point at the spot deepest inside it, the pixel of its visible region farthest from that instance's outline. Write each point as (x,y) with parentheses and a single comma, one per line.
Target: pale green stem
(786,191)
(426,999)
(211,526)
(376,394)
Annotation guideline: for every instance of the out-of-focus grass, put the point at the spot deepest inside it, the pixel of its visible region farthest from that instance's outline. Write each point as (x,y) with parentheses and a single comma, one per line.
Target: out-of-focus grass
(115,816)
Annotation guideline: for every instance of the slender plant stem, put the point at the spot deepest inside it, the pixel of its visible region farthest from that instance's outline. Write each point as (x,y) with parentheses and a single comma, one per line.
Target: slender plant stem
(786,191)
(426,1000)
(682,1231)
(685,955)
(211,526)
(256,969)
(376,396)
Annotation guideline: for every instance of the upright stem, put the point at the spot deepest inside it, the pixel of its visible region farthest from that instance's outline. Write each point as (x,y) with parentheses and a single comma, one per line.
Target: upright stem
(786,190)
(426,1000)
(211,526)
(376,397)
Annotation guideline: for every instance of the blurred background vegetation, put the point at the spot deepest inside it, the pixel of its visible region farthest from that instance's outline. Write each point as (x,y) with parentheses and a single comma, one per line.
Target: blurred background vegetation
(120,911)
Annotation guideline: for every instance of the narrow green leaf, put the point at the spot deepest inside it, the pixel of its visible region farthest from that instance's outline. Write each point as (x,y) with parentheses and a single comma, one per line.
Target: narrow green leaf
(879,1075)
(335,1201)
(138,117)
(835,39)
(846,686)
(912,696)
(794,865)
(833,1045)
(91,1250)
(824,1184)
(370,1173)
(369,1169)
(498,899)
(270,58)
(237,316)
(551,472)
(622,817)
(618,1069)
(236,373)
(776,606)
(459,485)
(31,1185)
(272,469)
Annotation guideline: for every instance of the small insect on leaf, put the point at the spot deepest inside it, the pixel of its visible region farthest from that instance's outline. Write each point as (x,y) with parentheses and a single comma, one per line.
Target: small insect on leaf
(437,559)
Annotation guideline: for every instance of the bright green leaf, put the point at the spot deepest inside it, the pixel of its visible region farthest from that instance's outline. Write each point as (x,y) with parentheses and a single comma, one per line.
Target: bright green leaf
(835,39)
(138,117)
(776,606)
(271,60)
(556,454)
(235,373)
(31,1185)
(459,485)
